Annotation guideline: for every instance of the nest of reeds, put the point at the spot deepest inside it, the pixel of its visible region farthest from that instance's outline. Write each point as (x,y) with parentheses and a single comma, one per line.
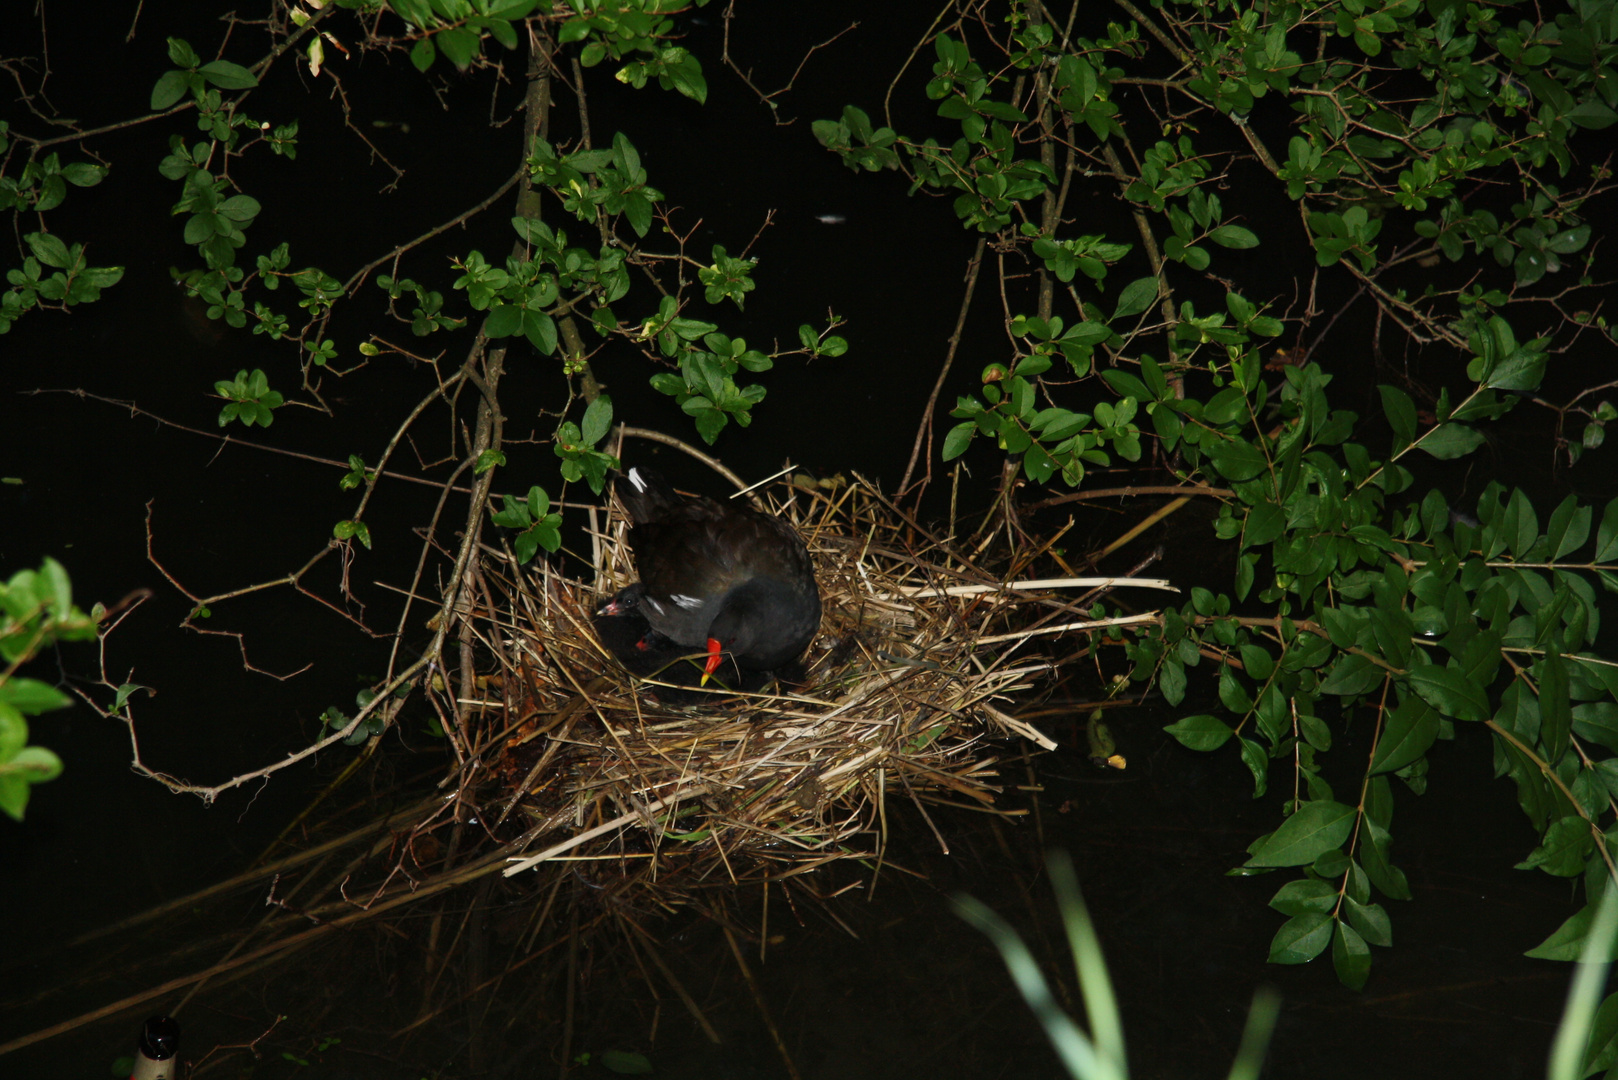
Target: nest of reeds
(904,695)
(903,688)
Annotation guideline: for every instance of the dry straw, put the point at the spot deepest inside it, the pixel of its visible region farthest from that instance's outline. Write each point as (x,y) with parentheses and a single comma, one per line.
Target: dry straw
(909,684)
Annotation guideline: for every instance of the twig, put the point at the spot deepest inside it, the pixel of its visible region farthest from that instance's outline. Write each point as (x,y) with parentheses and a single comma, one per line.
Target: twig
(924,431)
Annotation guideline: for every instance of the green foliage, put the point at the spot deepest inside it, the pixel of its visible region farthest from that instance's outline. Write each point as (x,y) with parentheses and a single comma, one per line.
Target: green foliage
(540,527)
(458,30)
(335,719)
(195,78)
(709,361)
(1356,599)
(576,446)
(250,397)
(727,277)
(859,145)
(824,343)
(597,184)
(427,316)
(353,529)
(1586,1039)
(42,184)
(1411,617)
(530,295)
(626,1063)
(53,275)
(216,219)
(36,611)
(625,28)
(1098,1054)
(218,215)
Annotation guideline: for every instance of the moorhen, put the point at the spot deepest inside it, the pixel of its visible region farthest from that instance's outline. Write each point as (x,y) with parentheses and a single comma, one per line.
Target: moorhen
(714,577)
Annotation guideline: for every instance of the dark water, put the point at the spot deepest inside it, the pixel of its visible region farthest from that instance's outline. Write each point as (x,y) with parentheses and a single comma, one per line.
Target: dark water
(916,993)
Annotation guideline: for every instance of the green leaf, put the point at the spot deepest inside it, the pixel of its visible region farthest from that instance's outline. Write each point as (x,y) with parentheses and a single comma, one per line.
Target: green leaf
(1232,694)
(34,764)
(1566,845)
(1607,534)
(1315,731)
(1374,856)
(1597,721)
(504,320)
(959,438)
(49,250)
(1593,113)
(1171,680)
(1521,372)
(1257,661)
(460,44)
(1315,828)
(1257,762)
(1603,1044)
(1265,522)
(597,420)
(511,9)
(1407,735)
(1233,236)
(228,76)
(13,732)
(540,329)
(688,80)
(1371,920)
(1201,732)
(32,697)
(181,54)
(126,691)
(1450,692)
(1303,896)
(625,1063)
(423,53)
(1555,714)
(13,795)
(1236,459)
(1137,296)
(1351,675)
(1569,527)
(419,13)
(169,89)
(1401,414)
(1301,938)
(1351,957)
(1446,442)
(1567,942)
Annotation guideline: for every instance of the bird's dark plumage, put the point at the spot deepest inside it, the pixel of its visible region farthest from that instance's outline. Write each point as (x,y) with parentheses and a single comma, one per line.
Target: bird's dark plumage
(716,578)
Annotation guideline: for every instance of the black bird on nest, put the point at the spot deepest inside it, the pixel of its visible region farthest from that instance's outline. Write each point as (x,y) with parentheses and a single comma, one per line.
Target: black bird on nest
(716,578)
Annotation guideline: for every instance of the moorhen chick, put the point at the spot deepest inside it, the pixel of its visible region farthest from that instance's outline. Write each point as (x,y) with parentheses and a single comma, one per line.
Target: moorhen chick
(714,577)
